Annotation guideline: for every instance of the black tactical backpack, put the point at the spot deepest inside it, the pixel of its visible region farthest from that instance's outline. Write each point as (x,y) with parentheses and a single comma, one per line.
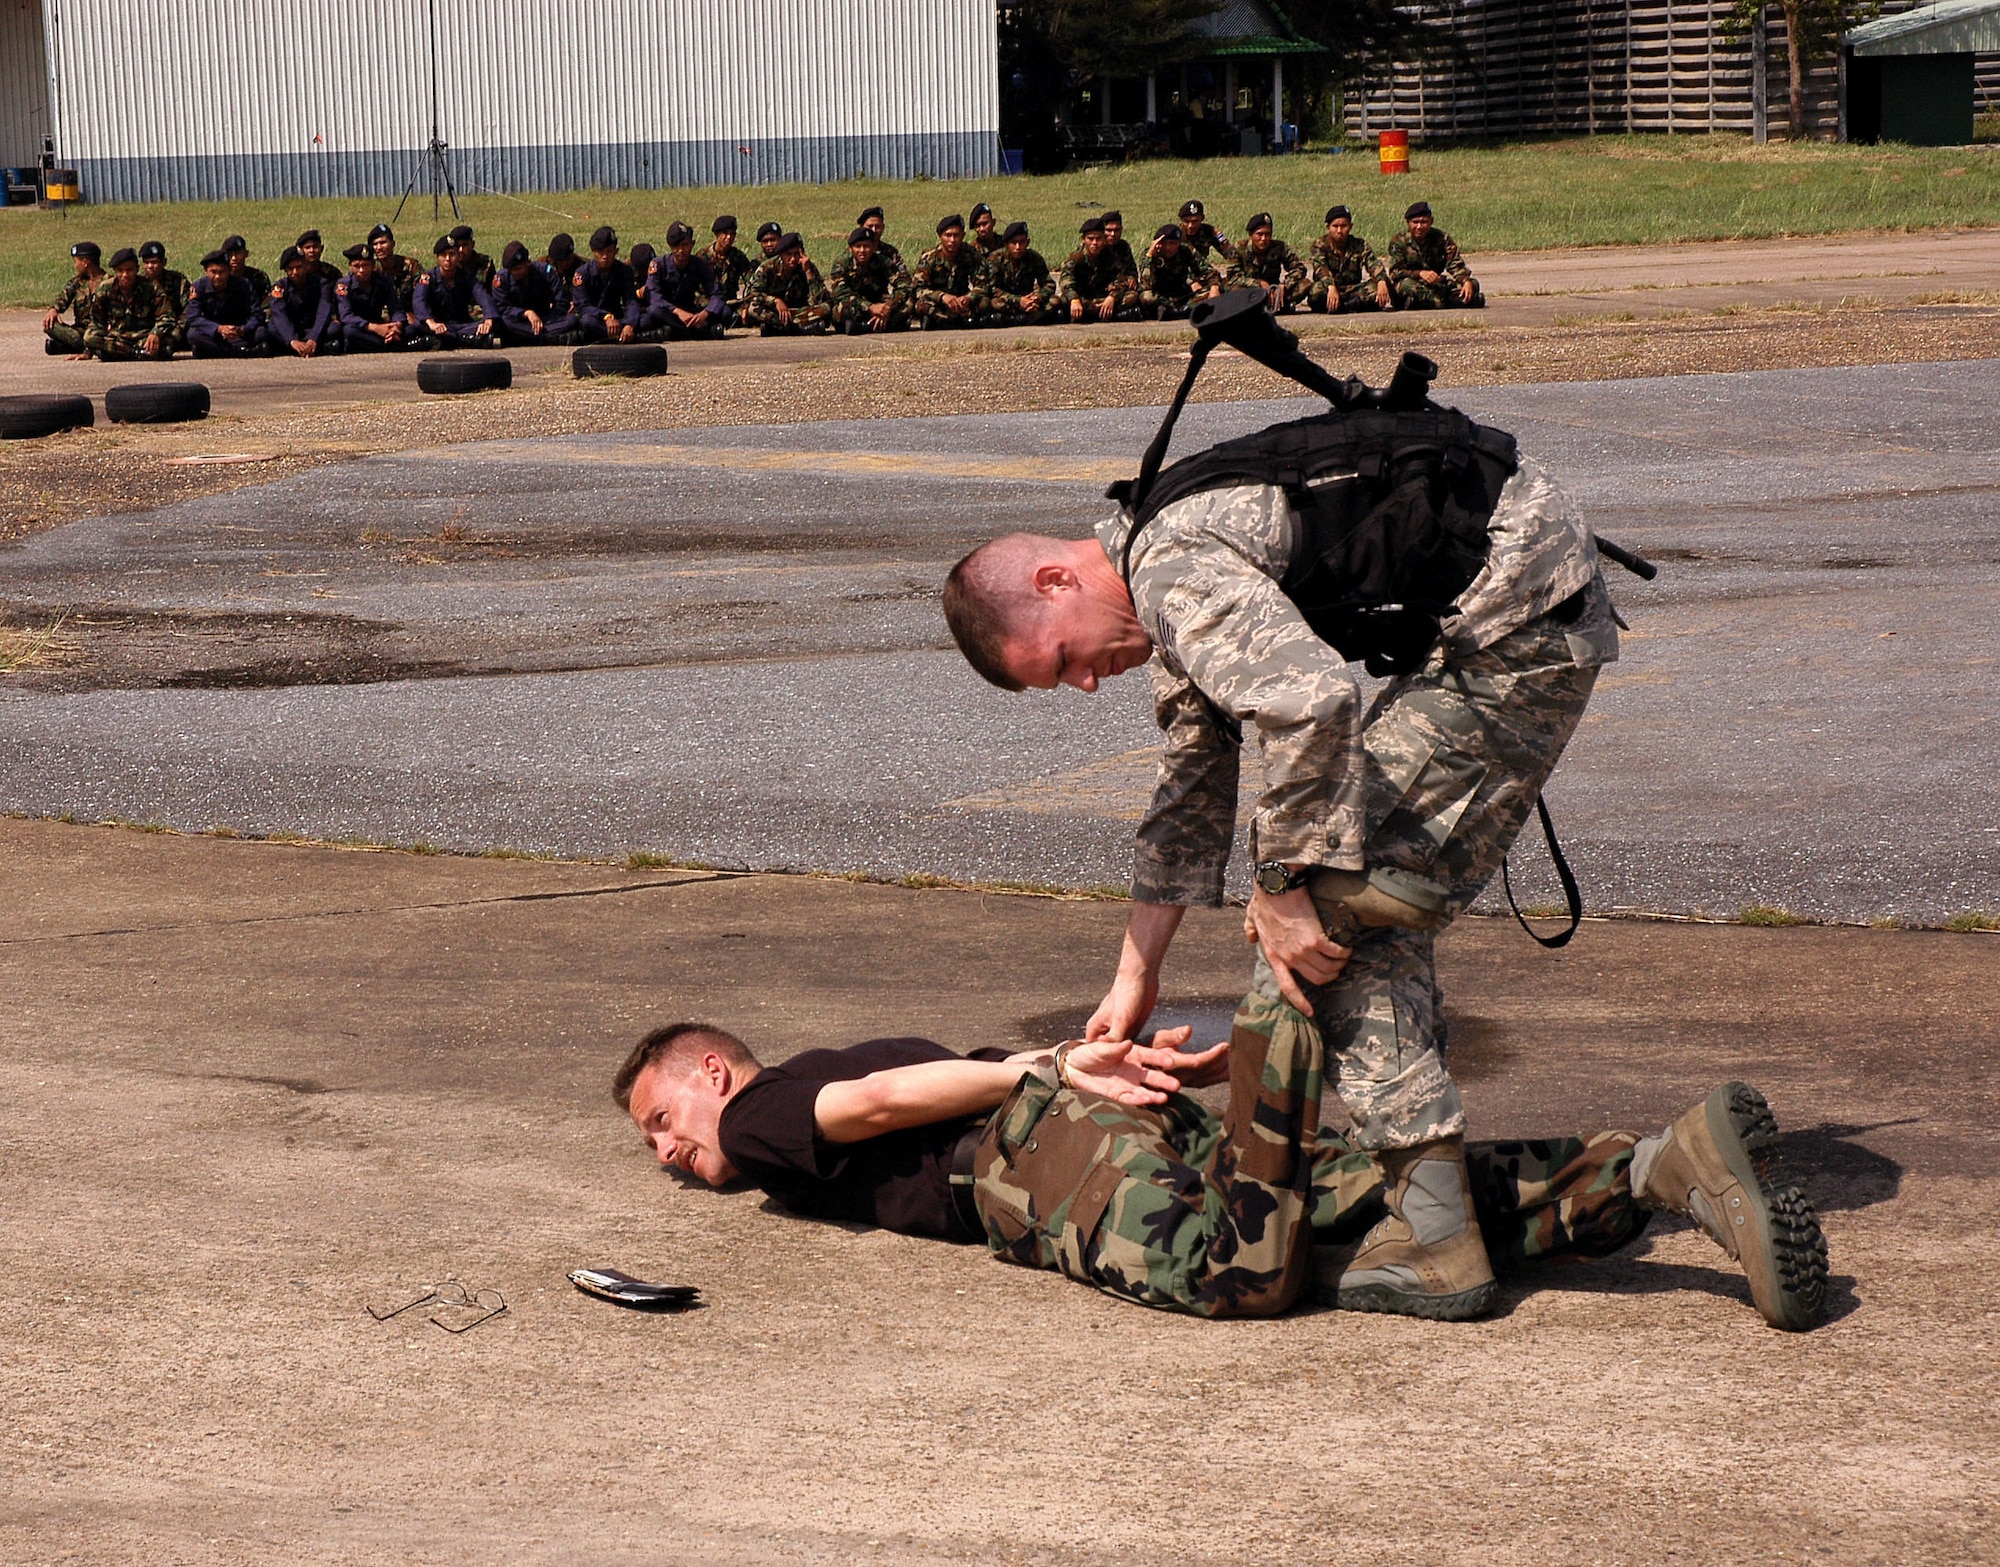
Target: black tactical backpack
(1395,504)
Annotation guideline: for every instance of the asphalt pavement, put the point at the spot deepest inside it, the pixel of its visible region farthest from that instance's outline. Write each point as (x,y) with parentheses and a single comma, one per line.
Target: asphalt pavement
(724,645)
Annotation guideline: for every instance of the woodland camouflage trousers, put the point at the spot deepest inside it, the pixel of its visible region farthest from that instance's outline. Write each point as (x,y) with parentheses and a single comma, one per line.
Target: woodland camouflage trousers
(1174,1208)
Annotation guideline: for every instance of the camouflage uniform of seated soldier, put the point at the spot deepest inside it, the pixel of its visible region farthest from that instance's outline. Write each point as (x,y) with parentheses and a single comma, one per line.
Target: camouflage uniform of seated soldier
(873,221)
(1347,275)
(1095,285)
(1202,236)
(66,337)
(784,296)
(1174,277)
(1270,264)
(730,265)
(129,318)
(1089,1160)
(1017,288)
(400,272)
(173,286)
(1425,269)
(986,235)
(947,278)
(868,294)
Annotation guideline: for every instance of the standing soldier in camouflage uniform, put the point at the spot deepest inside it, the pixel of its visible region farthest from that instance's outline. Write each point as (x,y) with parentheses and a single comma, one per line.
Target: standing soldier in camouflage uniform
(129,318)
(1425,268)
(400,272)
(730,265)
(66,337)
(1174,277)
(171,284)
(868,294)
(784,297)
(1016,288)
(1095,285)
(1201,236)
(1376,826)
(947,278)
(238,253)
(1346,274)
(1087,1160)
(985,231)
(1270,264)
(873,221)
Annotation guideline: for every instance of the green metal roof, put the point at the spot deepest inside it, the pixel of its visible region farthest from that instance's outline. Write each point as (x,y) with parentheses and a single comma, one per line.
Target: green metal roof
(1948,27)
(1236,28)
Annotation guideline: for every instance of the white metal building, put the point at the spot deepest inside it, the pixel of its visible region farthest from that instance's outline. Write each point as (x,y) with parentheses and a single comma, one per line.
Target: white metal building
(212,99)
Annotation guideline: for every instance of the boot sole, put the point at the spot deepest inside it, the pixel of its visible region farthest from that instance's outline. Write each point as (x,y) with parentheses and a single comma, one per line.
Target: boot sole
(1462,1307)
(1781,1222)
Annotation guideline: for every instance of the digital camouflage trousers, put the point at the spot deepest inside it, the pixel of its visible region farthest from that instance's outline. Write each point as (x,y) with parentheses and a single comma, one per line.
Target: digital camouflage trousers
(1458,751)
(1173,1208)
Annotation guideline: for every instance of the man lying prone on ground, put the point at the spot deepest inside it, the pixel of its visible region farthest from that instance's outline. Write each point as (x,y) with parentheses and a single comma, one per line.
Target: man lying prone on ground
(1091,1160)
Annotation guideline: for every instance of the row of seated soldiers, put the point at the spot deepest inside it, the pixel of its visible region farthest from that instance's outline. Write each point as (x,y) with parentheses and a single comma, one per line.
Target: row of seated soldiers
(983,277)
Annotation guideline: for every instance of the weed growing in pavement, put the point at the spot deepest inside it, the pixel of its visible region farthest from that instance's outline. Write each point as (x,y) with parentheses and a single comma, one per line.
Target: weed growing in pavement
(24,649)
(1977,920)
(1770,915)
(503,852)
(1885,922)
(647,860)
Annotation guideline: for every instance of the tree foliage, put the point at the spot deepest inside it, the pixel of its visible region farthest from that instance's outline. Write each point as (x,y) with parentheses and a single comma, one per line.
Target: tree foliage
(1111,37)
(1812,32)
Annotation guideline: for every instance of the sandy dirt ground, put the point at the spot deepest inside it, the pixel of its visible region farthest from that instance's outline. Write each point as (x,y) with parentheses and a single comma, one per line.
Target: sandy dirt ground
(1555,316)
(252,1088)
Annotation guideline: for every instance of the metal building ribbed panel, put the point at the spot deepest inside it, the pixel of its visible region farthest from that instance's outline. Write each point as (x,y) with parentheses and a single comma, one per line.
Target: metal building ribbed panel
(208,99)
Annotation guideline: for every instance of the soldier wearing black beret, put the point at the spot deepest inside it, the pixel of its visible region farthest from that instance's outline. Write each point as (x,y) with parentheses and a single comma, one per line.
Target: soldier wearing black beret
(1017,288)
(872,220)
(985,230)
(1202,236)
(1425,269)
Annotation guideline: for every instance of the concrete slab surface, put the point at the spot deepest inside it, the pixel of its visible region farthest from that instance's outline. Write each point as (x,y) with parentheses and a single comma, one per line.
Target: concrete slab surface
(252,1089)
(723,644)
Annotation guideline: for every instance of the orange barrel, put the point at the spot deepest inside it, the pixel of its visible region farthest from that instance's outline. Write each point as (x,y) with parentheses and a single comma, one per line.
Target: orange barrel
(1395,149)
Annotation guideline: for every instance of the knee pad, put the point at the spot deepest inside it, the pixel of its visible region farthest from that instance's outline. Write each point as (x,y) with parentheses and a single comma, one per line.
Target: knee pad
(1353,903)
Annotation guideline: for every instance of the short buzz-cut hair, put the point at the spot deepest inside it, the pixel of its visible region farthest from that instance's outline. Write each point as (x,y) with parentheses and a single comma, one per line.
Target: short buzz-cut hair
(680,1045)
(986,598)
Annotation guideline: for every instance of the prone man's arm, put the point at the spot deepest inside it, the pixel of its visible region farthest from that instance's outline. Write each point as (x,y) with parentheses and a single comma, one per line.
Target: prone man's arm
(917,1095)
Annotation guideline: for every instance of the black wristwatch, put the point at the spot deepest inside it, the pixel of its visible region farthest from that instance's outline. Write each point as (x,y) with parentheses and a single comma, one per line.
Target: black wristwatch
(1275,876)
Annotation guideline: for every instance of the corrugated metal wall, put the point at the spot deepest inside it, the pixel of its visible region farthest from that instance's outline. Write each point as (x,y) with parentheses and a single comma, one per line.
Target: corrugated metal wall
(203,99)
(24,83)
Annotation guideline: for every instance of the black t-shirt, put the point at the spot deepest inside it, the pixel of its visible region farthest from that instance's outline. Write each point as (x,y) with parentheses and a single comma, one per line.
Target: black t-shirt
(900,1180)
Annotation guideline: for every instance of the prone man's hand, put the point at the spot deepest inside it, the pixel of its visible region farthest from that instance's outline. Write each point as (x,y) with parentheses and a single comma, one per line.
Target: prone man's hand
(1195,1069)
(1295,944)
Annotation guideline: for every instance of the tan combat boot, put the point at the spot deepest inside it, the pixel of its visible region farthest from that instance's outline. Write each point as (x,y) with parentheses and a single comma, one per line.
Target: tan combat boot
(1425,1258)
(1716,1165)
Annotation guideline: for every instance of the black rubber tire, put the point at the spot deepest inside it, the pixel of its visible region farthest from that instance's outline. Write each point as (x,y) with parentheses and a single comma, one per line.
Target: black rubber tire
(468,370)
(629,359)
(24,418)
(156,402)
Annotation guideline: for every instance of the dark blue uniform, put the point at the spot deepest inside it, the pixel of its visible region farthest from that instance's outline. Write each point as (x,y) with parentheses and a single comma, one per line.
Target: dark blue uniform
(536,291)
(672,287)
(461,303)
(598,292)
(362,305)
(234,304)
(303,313)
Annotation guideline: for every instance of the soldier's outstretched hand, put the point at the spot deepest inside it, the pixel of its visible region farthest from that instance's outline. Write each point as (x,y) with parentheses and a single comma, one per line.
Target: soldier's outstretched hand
(1136,1074)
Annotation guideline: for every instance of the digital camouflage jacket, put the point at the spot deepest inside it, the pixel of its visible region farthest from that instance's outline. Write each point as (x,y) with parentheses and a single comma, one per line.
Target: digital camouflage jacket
(1228,644)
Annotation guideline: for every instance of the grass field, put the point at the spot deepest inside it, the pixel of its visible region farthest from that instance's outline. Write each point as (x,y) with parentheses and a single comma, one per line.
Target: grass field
(1606,190)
